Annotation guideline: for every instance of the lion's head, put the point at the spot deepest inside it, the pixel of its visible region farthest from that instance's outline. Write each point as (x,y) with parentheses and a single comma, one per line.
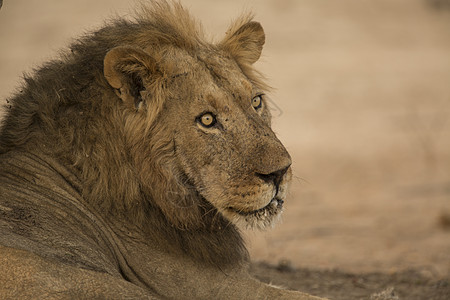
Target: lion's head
(150,116)
(211,115)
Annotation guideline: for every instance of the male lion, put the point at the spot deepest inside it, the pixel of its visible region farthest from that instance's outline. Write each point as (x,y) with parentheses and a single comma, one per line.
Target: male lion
(126,164)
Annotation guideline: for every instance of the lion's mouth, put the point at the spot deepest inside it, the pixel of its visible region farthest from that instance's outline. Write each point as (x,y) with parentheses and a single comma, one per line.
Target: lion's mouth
(273,207)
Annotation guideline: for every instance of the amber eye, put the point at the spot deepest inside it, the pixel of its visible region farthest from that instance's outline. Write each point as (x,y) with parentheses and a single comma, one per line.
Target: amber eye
(257,102)
(207,120)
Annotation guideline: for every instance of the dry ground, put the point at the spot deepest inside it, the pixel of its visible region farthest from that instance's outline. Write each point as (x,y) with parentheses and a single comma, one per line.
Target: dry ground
(363,104)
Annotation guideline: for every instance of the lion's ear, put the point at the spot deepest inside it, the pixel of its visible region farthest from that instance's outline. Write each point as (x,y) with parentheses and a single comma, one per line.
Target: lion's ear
(245,42)
(126,68)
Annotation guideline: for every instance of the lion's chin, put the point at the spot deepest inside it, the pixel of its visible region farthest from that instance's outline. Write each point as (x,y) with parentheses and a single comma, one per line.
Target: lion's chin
(261,218)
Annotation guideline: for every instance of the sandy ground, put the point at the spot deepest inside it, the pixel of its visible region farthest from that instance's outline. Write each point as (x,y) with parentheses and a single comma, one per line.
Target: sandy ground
(361,100)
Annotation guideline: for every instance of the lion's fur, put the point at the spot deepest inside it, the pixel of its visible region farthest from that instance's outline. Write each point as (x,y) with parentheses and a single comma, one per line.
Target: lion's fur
(67,101)
(100,113)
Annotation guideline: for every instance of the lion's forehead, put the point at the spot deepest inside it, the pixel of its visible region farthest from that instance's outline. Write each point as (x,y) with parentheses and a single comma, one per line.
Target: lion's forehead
(225,71)
(209,81)
(211,67)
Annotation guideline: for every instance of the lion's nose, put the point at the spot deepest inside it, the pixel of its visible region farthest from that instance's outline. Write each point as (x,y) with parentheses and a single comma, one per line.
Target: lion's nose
(274,177)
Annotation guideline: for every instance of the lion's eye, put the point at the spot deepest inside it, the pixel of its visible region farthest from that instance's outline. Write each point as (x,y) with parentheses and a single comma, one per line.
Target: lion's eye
(207,120)
(257,102)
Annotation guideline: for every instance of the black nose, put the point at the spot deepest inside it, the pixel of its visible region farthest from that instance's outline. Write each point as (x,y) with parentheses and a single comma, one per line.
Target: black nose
(274,177)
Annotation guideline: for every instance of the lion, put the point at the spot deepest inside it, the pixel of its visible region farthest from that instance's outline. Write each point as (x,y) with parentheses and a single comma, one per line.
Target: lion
(128,165)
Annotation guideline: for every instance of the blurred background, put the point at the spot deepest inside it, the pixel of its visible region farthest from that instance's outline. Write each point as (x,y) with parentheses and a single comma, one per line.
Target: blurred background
(361,101)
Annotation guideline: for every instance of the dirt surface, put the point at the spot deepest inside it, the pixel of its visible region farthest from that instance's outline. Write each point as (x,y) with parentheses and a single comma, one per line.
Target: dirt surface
(362,102)
(337,285)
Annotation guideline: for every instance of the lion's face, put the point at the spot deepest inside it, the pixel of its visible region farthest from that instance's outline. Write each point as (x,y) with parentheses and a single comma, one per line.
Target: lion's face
(216,124)
(223,141)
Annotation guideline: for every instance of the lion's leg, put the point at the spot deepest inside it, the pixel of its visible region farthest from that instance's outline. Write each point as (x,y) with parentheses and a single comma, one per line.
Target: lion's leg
(286,294)
(259,290)
(25,275)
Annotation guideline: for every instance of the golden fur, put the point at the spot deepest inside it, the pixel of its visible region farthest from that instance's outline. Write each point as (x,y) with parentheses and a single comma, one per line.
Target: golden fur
(119,117)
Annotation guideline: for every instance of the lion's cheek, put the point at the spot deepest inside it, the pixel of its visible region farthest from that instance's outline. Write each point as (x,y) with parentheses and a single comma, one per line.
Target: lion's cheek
(250,197)
(239,195)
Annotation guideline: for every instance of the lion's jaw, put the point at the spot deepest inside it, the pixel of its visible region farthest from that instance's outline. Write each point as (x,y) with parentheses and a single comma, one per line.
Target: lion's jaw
(251,203)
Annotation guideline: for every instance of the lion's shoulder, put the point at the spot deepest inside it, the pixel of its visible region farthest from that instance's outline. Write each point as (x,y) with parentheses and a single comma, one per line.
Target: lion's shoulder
(42,211)
(27,275)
